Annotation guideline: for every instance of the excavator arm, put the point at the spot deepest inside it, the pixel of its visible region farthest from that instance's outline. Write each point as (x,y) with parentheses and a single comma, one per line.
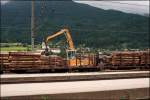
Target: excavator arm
(64,31)
(70,51)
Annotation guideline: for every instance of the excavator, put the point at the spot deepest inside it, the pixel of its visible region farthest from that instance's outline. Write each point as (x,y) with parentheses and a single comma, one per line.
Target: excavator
(71,58)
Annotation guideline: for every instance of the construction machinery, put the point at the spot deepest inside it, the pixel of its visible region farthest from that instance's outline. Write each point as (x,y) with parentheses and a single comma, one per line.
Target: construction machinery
(71,55)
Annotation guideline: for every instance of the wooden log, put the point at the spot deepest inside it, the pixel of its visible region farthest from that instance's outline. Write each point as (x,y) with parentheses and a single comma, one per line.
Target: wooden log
(23,59)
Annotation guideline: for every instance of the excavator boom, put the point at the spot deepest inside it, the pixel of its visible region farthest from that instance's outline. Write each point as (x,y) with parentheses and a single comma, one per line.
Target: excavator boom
(67,35)
(72,60)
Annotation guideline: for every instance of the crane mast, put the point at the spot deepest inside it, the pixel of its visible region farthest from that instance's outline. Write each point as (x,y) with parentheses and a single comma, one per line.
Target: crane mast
(32,24)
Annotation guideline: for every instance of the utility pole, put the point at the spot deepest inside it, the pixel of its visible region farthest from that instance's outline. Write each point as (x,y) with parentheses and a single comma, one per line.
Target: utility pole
(32,24)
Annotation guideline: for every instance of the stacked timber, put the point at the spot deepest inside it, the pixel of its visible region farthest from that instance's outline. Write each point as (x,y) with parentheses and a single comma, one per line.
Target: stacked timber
(145,58)
(127,58)
(130,58)
(4,59)
(30,60)
(53,61)
(23,60)
(107,60)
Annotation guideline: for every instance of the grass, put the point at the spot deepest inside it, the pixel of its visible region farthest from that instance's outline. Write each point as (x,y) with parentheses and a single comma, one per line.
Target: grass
(17,47)
(14,48)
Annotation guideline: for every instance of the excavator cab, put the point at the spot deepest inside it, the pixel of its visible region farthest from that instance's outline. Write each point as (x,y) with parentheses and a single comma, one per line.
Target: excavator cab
(71,54)
(45,48)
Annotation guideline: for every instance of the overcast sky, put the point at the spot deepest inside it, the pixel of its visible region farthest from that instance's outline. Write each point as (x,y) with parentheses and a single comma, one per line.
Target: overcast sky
(137,7)
(4,1)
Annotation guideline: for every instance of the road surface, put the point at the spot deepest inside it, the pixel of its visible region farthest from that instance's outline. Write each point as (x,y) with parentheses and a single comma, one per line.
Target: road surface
(72,87)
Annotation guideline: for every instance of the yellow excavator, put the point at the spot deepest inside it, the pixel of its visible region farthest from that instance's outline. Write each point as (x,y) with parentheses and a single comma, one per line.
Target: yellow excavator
(72,60)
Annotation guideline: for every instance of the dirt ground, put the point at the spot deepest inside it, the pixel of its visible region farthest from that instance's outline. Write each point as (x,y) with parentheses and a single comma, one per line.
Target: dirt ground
(128,94)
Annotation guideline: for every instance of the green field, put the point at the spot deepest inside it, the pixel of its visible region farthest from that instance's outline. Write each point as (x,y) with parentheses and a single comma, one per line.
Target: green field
(17,47)
(14,48)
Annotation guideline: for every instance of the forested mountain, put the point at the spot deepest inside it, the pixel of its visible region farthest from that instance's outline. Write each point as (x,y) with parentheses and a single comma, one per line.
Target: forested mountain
(91,26)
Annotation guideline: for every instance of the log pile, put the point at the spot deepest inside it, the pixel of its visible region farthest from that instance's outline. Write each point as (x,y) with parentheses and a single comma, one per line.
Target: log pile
(145,58)
(53,61)
(130,58)
(4,59)
(28,60)
(23,60)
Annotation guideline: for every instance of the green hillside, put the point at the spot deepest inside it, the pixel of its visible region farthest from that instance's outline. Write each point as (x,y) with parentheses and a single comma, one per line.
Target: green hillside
(91,26)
